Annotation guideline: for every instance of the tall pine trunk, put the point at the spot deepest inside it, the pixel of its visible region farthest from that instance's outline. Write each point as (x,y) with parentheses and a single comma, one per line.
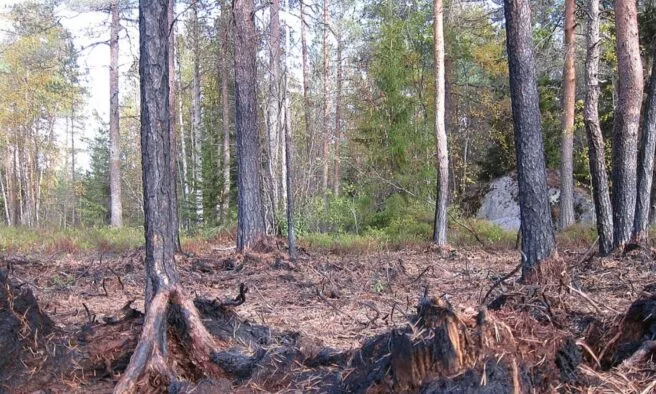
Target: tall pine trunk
(73,197)
(325,147)
(646,160)
(338,114)
(627,121)
(225,113)
(156,148)
(566,217)
(116,209)
(538,242)
(273,110)
(196,114)
(600,190)
(309,134)
(288,142)
(150,360)
(184,157)
(439,230)
(172,126)
(250,214)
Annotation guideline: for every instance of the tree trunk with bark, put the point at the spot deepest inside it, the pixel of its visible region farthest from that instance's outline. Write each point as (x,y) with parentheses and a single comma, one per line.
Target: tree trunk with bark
(306,89)
(439,230)
(291,237)
(566,217)
(600,190)
(646,161)
(338,114)
(325,150)
(538,242)
(150,361)
(196,123)
(184,157)
(116,209)
(273,111)
(652,210)
(225,113)
(250,215)
(5,198)
(627,121)
(172,126)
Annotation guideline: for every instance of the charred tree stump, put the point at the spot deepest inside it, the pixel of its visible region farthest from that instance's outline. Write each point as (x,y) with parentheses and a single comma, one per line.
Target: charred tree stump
(24,330)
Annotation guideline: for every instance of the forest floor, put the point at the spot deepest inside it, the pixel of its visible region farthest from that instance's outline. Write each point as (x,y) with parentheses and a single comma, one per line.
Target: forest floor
(340,299)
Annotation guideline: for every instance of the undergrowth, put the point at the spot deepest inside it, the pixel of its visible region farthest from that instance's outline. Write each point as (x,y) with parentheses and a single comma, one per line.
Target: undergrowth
(26,240)
(396,237)
(399,233)
(462,233)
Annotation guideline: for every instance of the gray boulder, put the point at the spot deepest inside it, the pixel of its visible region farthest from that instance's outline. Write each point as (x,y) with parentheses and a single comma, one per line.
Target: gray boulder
(500,205)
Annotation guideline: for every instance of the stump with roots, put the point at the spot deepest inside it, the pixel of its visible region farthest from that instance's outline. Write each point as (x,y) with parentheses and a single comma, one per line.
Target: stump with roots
(150,364)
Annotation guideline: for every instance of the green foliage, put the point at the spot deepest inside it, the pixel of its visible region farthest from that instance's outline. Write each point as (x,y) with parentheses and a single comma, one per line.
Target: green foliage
(211,174)
(24,240)
(39,84)
(341,215)
(404,217)
(647,23)
(62,280)
(550,107)
(491,234)
(378,286)
(577,235)
(94,205)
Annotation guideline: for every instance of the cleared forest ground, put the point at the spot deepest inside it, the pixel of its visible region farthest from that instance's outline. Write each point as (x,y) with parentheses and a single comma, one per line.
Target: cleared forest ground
(338,300)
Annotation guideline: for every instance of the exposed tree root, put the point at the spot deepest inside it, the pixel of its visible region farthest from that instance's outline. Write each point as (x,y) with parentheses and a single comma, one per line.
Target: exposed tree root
(150,360)
(549,271)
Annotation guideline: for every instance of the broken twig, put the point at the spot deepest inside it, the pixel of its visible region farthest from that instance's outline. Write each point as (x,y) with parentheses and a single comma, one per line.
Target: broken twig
(240,299)
(500,280)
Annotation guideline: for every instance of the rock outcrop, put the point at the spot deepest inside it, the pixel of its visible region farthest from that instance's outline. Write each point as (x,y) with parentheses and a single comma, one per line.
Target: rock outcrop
(500,204)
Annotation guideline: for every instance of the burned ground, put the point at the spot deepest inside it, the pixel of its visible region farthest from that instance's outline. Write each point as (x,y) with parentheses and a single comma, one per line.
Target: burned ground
(408,320)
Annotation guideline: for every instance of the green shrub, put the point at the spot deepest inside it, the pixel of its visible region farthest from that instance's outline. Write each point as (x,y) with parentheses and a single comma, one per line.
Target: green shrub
(27,240)
(576,235)
(345,243)
(491,234)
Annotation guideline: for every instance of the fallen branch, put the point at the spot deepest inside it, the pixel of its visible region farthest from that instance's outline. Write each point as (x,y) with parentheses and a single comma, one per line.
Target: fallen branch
(373,308)
(105,288)
(92,318)
(590,352)
(224,249)
(594,304)
(120,282)
(324,299)
(422,273)
(471,230)
(239,299)
(588,253)
(500,280)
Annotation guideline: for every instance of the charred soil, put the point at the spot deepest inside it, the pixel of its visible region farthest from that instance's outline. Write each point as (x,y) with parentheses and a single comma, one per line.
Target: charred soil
(398,321)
